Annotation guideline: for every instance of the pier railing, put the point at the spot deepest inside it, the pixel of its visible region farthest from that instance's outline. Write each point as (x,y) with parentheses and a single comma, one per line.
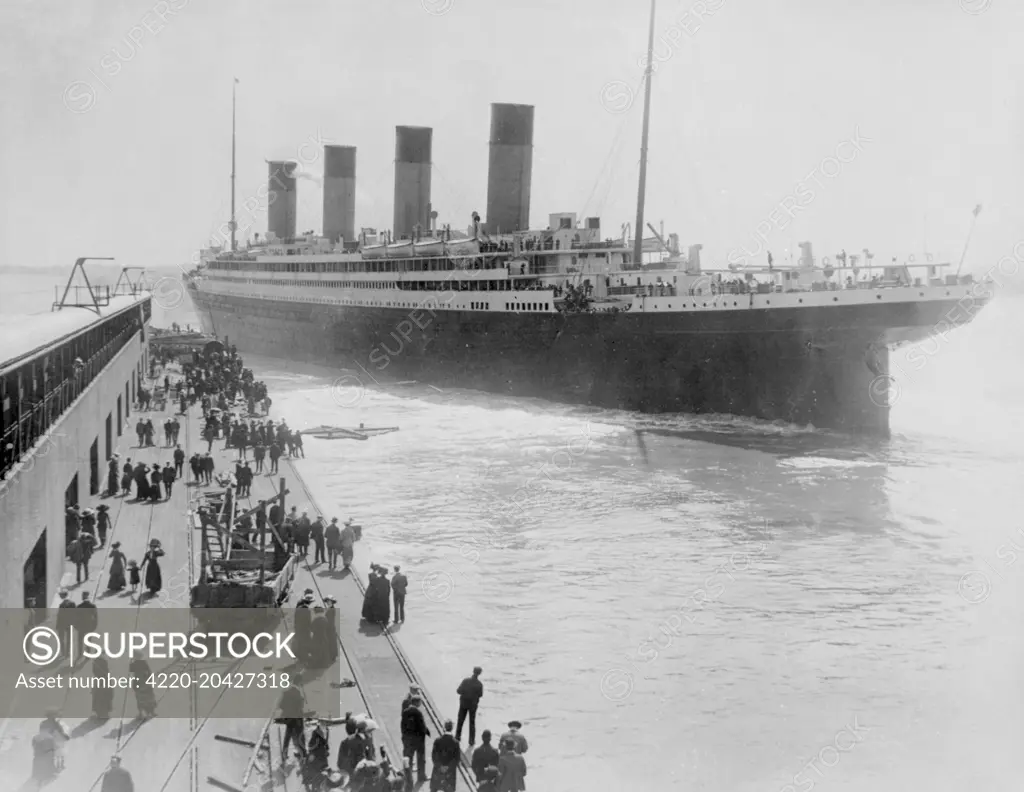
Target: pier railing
(36,417)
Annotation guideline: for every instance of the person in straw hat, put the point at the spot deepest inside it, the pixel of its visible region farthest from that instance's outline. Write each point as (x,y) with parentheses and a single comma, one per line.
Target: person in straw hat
(103,523)
(150,562)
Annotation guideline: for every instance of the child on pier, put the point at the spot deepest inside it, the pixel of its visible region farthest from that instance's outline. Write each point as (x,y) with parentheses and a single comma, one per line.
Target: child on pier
(133,575)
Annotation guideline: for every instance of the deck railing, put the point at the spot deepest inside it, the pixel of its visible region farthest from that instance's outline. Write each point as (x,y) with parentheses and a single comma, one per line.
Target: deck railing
(35,418)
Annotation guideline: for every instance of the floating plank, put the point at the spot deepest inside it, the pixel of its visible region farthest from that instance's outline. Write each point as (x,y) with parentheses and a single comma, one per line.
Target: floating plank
(234,740)
(341,433)
(214,782)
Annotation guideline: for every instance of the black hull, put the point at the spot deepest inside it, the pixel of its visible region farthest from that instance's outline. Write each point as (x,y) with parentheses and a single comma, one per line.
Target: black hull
(820,366)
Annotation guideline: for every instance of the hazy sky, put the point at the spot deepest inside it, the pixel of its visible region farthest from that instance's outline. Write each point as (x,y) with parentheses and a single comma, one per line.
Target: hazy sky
(122,148)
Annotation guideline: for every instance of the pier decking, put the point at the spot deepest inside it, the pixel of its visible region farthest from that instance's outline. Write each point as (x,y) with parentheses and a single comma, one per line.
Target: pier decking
(179,754)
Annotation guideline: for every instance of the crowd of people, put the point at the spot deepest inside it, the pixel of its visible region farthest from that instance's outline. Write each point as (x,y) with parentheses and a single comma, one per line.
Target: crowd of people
(229,397)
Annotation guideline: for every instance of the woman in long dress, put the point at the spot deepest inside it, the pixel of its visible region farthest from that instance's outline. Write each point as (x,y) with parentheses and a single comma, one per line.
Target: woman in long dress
(155,478)
(154,578)
(103,522)
(117,562)
(112,477)
(369,612)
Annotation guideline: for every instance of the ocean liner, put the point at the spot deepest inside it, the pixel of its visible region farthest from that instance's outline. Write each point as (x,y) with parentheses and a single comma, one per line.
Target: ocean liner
(567,313)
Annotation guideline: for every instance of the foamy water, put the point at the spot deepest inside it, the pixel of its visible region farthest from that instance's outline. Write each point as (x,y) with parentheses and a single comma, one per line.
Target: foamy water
(714,603)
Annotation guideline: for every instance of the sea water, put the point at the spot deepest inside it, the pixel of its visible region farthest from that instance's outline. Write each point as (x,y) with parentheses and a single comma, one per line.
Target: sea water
(705,603)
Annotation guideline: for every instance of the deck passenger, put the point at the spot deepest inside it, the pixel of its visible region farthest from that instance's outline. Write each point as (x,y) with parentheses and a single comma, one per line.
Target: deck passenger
(399,586)
(151,563)
(332,537)
(470,691)
(347,542)
(445,757)
(316,534)
(103,523)
(168,477)
(486,756)
(292,709)
(117,779)
(117,567)
(517,739)
(414,737)
(511,768)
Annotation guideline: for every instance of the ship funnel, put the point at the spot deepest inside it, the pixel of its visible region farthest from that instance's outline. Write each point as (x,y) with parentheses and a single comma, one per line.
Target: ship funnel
(281,200)
(510,168)
(340,193)
(412,179)
(806,255)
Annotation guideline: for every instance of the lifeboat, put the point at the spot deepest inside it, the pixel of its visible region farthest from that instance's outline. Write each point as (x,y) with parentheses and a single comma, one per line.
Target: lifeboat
(401,249)
(463,247)
(429,247)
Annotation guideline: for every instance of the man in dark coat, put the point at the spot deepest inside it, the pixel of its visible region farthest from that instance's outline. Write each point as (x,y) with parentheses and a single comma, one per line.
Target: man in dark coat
(352,749)
(259,453)
(117,779)
(292,708)
(302,627)
(261,521)
(414,738)
(470,691)
(332,539)
(247,475)
(302,528)
(485,756)
(316,534)
(80,551)
(87,617)
(168,477)
(65,618)
(275,454)
(399,585)
(445,758)
(141,475)
(179,462)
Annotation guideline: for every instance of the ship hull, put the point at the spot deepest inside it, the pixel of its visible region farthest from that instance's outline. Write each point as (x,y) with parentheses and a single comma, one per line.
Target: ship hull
(827,367)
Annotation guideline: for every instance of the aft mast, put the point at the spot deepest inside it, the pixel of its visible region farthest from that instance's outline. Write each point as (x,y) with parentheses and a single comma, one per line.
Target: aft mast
(233,224)
(638,242)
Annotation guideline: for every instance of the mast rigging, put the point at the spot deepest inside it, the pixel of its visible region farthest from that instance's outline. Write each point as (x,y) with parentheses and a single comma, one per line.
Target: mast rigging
(638,242)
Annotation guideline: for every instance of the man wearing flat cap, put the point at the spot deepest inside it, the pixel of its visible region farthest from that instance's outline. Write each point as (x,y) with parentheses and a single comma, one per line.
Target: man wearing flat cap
(470,691)
(513,736)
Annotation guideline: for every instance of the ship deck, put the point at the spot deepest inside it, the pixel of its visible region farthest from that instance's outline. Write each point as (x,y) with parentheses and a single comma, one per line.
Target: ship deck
(23,334)
(159,752)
